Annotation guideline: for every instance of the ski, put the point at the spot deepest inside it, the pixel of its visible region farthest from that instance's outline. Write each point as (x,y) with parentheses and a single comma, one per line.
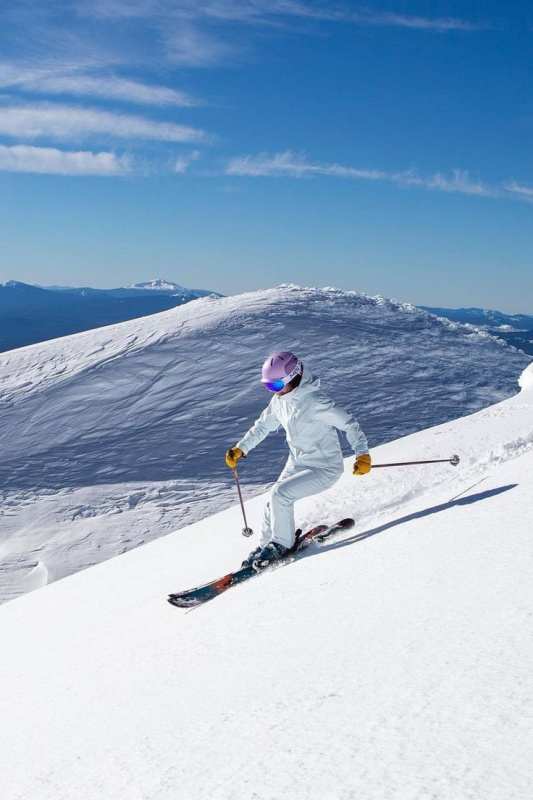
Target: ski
(201,594)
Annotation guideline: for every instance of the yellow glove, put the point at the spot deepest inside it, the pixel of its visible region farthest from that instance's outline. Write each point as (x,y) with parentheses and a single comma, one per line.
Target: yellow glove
(232,455)
(363,464)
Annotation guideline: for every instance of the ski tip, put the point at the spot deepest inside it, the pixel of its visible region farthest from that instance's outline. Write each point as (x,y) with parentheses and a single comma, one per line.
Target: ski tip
(345,524)
(180,602)
(341,525)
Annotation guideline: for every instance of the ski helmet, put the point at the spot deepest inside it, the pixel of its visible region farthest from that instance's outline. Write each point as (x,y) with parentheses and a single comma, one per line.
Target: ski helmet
(280,369)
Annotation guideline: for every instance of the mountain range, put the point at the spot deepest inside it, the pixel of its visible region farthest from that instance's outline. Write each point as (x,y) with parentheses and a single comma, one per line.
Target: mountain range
(516,329)
(31,314)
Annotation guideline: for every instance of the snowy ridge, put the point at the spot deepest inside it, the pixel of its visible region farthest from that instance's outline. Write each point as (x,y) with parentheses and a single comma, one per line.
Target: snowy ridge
(115,436)
(407,636)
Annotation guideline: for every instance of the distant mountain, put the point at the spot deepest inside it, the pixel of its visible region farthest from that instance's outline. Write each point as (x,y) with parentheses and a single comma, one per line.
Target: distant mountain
(160,285)
(31,314)
(516,329)
(483,317)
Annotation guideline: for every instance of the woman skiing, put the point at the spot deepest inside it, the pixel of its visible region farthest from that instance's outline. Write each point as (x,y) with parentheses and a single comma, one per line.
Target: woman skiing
(311,420)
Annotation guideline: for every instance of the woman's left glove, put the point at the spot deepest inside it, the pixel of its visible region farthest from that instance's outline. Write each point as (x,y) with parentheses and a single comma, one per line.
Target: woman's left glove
(363,464)
(232,455)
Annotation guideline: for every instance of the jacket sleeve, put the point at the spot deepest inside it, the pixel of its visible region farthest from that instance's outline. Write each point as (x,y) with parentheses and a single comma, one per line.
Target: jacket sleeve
(340,419)
(267,423)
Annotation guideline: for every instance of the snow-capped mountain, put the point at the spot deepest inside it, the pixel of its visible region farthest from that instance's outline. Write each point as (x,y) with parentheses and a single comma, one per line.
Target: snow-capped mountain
(162,285)
(19,287)
(158,285)
(116,436)
(392,663)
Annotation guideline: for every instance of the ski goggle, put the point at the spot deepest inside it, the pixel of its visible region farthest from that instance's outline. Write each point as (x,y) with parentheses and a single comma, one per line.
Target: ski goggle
(275,386)
(280,383)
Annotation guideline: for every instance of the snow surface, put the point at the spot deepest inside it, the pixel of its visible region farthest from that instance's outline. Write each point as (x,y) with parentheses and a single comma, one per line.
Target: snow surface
(394,663)
(113,437)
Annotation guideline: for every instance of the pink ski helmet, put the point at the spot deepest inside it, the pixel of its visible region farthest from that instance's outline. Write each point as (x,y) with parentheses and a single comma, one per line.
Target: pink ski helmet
(280,369)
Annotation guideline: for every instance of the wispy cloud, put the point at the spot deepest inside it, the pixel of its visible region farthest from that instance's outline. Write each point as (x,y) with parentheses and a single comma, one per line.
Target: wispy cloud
(78,83)
(459,182)
(198,33)
(290,165)
(183,163)
(120,9)
(190,45)
(48,160)
(117,35)
(519,189)
(260,11)
(437,24)
(65,123)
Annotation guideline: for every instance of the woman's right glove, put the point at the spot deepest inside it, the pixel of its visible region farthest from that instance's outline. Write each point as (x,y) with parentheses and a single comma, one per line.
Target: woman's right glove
(232,455)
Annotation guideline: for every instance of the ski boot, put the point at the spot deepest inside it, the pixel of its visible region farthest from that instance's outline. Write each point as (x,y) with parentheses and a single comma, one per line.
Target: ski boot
(271,552)
(249,561)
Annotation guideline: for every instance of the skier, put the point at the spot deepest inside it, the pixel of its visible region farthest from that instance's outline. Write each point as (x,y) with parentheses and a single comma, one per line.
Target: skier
(315,462)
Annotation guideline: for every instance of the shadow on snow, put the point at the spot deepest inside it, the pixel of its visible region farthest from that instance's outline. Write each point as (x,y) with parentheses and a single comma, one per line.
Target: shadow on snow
(463,501)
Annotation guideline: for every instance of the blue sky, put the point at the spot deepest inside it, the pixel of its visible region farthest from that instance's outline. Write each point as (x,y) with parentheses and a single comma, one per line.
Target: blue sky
(239,144)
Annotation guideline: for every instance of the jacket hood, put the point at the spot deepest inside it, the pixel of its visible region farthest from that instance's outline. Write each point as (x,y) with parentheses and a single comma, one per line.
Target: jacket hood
(309,383)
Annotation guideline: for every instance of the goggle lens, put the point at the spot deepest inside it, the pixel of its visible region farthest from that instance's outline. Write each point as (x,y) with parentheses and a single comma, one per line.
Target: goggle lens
(275,386)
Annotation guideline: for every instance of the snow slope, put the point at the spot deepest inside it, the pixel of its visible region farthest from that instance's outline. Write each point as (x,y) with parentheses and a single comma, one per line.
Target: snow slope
(113,437)
(394,663)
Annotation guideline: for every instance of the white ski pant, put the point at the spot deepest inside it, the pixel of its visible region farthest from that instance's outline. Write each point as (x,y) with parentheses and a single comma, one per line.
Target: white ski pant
(296,481)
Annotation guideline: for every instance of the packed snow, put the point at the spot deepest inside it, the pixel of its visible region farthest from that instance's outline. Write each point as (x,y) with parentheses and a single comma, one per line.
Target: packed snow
(392,663)
(113,437)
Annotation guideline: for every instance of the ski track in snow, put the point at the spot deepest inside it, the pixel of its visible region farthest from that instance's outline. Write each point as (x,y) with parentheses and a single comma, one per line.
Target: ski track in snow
(114,437)
(393,663)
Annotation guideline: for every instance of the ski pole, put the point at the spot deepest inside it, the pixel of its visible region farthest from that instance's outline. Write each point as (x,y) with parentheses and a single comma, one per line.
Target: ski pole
(454,460)
(246,531)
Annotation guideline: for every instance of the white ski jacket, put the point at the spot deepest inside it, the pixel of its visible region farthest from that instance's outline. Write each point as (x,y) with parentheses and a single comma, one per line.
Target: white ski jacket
(310,419)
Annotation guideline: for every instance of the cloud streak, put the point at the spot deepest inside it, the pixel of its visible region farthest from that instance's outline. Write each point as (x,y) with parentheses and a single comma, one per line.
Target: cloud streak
(64,122)
(524,192)
(48,160)
(263,11)
(290,165)
(117,34)
(200,33)
(437,24)
(78,83)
